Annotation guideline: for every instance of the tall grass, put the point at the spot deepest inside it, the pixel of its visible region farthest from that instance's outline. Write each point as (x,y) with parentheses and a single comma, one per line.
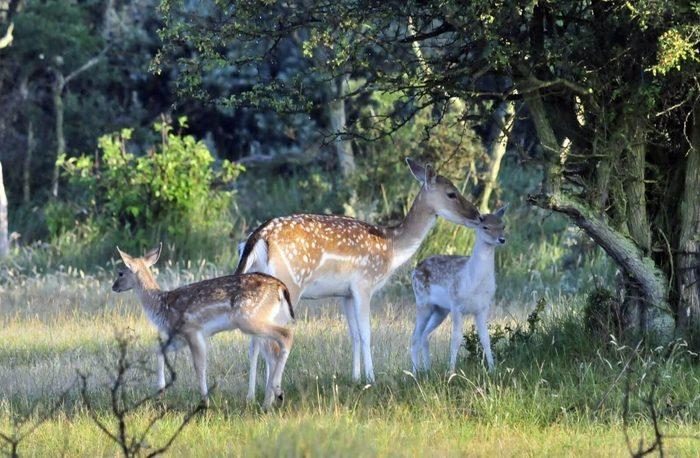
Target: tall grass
(558,393)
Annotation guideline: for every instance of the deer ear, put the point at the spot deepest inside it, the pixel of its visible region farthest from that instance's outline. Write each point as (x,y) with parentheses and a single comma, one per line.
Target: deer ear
(430,175)
(417,169)
(501,211)
(152,256)
(128,260)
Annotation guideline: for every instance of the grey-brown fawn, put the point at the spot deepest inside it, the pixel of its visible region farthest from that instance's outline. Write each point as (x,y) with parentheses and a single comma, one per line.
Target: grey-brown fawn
(457,285)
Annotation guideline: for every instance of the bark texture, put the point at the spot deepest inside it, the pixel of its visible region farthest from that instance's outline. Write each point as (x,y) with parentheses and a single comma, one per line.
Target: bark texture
(688,257)
(343,146)
(638,268)
(503,125)
(4,241)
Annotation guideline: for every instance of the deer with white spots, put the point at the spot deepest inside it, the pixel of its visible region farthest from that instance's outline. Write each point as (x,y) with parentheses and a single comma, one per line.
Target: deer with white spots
(257,304)
(457,285)
(320,256)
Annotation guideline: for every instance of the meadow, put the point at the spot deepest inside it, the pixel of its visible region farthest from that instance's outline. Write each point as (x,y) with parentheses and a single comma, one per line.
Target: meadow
(557,393)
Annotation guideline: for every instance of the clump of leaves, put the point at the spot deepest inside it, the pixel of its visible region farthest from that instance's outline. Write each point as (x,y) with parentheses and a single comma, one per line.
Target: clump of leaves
(173,191)
(505,337)
(602,315)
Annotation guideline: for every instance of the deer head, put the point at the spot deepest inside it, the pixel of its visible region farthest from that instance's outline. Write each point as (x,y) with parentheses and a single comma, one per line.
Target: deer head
(442,197)
(127,277)
(492,228)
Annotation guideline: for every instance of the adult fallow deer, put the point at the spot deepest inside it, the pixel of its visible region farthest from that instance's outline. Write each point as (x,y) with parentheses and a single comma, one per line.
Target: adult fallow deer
(320,256)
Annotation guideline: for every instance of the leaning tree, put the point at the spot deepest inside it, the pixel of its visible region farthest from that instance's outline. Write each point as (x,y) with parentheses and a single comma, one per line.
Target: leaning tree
(611,88)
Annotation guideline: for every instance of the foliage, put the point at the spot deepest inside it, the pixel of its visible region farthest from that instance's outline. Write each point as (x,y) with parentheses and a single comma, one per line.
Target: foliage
(172,193)
(602,315)
(506,337)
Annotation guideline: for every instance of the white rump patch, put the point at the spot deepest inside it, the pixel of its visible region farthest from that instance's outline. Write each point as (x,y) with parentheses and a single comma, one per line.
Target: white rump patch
(257,259)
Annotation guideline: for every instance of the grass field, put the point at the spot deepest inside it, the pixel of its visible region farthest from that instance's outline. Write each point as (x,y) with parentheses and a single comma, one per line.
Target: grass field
(558,393)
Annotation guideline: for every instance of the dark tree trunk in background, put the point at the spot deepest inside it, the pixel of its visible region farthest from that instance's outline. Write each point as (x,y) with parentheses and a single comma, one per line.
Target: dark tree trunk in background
(58,86)
(632,218)
(31,142)
(503,125)
(4,242)
(548,141)
(27,163)
(688,257)
(341,143)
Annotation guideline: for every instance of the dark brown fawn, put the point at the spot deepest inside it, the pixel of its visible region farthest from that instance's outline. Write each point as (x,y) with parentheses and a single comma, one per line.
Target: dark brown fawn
(257,304)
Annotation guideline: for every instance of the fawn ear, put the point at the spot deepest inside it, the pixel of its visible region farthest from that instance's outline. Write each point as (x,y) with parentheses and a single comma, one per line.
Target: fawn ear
(424,174)
(501,211)
(152,256)
(128,260)
(430,175)
(417,169)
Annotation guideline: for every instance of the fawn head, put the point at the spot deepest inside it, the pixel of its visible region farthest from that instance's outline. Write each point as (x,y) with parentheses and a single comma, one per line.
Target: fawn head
(442,197)
(492,227)
(127,276)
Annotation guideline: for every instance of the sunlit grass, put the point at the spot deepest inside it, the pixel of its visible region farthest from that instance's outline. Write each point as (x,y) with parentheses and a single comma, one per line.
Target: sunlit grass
(558,394)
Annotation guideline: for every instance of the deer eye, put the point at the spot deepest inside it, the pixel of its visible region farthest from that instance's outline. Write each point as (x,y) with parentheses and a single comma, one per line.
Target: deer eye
(452,195)
(121,274)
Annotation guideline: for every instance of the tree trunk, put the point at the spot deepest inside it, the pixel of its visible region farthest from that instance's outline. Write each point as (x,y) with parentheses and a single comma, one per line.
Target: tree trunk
(639,268)
(27,165)
(502,128)
(688,258)
(343,146)
(631,200)
(642,274)
(4,241)
(58,86)
(548,141)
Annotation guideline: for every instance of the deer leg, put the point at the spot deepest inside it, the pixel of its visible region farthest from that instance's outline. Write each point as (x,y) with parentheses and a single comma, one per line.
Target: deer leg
(283,337)
(198,347)
(437,316)
(423,313)
(362,313)
(456,341)
(483,331)
(349,309)
(253,352)
(166,344)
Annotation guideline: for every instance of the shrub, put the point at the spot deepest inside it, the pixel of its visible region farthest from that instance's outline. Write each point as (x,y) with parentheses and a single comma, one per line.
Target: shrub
(174,193)
(602,315)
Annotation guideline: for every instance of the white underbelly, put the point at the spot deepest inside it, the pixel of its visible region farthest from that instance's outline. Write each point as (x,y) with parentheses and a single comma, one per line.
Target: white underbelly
(326,287)
(439,296)
(216,324)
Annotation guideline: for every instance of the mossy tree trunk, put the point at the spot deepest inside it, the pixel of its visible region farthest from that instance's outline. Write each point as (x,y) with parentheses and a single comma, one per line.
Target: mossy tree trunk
(688,257)
(632,219)
(628,240)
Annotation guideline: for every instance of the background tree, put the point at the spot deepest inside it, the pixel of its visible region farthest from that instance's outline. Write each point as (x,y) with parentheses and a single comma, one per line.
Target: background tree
(607,85)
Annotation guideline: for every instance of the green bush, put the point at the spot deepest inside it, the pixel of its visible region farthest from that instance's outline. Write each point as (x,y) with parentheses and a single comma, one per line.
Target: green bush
(174,193)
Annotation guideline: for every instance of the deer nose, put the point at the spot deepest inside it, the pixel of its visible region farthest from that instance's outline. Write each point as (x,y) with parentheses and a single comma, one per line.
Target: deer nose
(502,240)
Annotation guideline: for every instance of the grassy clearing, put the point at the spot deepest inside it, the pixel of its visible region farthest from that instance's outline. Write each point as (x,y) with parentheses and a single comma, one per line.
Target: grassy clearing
(557,394)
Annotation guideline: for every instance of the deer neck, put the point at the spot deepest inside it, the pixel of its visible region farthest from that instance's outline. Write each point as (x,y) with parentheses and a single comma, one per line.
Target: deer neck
(407,236)
(148,290)
(482,260)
